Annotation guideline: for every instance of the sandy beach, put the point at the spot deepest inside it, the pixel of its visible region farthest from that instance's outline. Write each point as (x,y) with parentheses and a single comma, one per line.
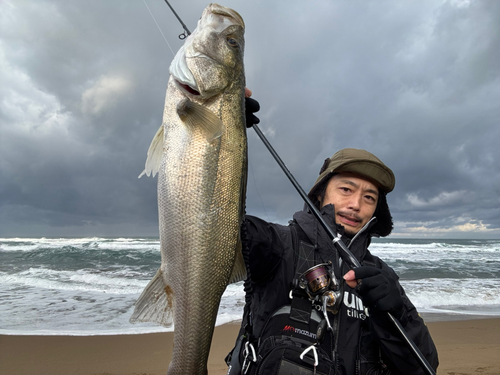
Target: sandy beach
(465,347)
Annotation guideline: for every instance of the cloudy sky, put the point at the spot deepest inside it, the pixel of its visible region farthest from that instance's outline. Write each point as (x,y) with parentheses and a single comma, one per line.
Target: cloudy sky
(82,86)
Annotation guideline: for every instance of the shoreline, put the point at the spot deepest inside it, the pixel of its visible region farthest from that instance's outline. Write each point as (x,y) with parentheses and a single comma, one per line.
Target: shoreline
(429,317)
(464,346)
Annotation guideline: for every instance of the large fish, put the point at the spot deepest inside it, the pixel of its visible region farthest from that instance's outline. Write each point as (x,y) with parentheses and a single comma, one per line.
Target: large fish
(200,154)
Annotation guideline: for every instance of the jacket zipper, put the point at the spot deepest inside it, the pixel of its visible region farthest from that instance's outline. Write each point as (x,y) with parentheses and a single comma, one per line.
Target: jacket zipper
(360,231)
(337,328)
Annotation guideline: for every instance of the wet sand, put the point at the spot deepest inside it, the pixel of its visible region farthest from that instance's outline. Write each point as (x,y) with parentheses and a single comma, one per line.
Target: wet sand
(465,347)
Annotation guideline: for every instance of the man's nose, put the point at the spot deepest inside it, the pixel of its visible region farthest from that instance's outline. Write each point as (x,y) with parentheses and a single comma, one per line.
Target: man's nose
(354,202)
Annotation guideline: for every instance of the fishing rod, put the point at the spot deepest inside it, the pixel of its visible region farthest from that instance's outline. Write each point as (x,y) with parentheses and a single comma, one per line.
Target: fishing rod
(344,252)
(186,30)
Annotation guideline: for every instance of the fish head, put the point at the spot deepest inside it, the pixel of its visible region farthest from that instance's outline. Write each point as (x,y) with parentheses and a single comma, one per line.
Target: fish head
(211,58)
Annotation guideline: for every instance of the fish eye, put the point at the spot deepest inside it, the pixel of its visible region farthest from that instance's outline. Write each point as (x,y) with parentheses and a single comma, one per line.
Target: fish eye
(232,42)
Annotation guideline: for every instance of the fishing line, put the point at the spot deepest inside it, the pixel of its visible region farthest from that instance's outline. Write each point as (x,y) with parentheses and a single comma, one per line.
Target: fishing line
(158,26)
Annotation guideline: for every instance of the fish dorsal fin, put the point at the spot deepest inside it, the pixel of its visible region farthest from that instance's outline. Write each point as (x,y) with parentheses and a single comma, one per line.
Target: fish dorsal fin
(155,152)
(196,116)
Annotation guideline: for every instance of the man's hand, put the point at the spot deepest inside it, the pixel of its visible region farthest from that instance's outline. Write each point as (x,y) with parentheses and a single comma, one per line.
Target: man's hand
(251,106)
(377,288)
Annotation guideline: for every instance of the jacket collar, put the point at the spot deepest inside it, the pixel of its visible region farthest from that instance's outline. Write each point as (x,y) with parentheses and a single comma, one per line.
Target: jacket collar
(318,236)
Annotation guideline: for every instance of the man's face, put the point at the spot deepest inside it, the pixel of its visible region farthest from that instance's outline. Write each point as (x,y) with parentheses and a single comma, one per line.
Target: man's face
(355,200)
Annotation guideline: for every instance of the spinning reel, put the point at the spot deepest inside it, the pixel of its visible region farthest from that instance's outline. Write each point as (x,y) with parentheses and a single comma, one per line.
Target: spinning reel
(323,288)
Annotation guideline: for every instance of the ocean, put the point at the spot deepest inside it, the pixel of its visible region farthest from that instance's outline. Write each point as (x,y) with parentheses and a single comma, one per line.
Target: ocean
(87,286)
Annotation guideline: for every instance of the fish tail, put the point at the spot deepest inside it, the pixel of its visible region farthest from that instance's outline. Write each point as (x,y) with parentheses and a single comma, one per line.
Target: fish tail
(156,303)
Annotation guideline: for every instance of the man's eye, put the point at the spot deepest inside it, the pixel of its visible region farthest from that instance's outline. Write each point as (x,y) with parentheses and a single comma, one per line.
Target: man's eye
(232,42)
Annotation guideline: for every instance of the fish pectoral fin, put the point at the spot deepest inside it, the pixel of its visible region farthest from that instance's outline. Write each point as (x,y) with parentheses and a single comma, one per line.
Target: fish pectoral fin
(155,304)
(196,116)
(155,151)
(239,272)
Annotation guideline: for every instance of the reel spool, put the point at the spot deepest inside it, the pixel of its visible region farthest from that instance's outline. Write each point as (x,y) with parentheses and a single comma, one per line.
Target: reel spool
(318,279)
(321,285)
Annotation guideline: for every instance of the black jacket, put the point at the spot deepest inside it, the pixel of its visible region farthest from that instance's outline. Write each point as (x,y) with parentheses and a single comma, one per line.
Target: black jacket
(360,341)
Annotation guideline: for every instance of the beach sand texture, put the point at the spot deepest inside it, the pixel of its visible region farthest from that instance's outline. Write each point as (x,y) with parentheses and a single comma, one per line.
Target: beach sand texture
(469,347)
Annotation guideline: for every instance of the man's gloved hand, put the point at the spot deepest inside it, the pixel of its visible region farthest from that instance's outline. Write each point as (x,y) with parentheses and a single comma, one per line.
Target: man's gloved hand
(377,288)
(251,106)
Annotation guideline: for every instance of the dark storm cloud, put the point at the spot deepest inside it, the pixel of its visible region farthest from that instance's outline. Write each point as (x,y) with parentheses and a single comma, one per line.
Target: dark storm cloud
(417,83)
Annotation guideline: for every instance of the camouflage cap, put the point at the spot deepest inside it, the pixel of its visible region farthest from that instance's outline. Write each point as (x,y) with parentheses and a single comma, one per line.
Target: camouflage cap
(360,162)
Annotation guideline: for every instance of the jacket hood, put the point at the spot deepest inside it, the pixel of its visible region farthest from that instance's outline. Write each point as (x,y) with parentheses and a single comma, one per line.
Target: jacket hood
(384,225)
(368,166)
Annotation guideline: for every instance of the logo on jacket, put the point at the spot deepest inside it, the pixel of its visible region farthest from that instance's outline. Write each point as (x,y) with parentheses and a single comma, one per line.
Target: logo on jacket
(355,307)
(303,332)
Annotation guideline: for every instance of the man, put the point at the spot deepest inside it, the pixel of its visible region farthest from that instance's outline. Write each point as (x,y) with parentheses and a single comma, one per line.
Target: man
(283,325)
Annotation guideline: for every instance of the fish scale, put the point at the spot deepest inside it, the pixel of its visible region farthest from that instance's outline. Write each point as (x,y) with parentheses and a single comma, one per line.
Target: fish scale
(206,183)
(200,154)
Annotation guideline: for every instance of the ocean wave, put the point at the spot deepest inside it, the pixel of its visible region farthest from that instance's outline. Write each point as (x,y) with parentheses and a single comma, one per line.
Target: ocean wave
(80,280)
(89,285)
(434,293)
(96,243)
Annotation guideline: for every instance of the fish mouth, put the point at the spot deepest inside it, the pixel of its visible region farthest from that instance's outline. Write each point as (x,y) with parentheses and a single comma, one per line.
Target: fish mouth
(227,12)
(187,88)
